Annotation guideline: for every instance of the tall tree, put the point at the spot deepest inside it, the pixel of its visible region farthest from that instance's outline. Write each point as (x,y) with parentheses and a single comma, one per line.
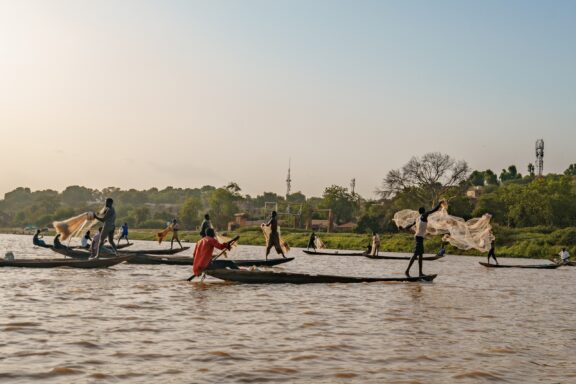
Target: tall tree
(571,170)
(429,178)
(343,203)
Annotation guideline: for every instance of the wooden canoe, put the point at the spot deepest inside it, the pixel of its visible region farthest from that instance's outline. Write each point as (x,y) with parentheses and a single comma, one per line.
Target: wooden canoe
(534,266)
(156,251)
(181,260)
(269,277)
(72,263)
(335,253)
(384,257)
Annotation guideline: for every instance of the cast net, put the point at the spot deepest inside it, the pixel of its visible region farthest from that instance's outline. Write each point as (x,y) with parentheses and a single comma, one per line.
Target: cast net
(74,226)
(319,243)
(475,233)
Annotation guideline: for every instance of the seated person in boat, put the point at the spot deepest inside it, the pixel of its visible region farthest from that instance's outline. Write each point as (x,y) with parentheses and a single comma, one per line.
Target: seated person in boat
(564,256)
(442,250)
(124,233)
(312,242)
(85,240)
(37,239)
(94,251)
(57,243)
(204,250)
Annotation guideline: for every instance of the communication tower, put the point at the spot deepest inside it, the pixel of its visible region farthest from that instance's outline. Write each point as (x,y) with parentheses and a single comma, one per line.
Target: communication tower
(353,185)
(288,181)
(539,157)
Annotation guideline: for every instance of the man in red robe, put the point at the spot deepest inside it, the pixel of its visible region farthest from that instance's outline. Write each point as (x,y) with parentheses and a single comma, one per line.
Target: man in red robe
(204,250)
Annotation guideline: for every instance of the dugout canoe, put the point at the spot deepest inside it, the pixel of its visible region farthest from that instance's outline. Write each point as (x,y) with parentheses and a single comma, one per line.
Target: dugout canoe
(72,263)
(167,251)
(533,266)
(269,277)
(384,257)
(176,260)
(335,253)
(560,263)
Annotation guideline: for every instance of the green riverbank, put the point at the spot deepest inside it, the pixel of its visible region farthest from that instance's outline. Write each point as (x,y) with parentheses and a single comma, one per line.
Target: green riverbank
(535,242)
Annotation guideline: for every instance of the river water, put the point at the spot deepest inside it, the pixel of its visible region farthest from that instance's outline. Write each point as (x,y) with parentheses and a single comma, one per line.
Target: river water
(145,324)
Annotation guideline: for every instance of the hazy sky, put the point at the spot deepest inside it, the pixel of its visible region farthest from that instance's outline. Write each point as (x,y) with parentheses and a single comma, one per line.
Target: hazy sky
(137,94)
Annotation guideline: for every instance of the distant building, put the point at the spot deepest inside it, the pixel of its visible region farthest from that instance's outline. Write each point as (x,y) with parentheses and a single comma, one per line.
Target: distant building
(474,192)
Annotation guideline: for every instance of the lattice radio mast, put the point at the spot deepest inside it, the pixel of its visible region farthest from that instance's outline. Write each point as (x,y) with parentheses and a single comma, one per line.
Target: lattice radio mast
(288,180)
(539,157)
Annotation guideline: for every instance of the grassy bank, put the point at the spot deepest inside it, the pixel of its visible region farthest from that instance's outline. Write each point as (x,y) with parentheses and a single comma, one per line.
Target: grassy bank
(535,242)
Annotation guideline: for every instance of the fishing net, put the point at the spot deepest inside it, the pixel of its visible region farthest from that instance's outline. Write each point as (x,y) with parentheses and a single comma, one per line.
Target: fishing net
(267,230)
(319,243)
(162,234)
(74,226)
(475,233)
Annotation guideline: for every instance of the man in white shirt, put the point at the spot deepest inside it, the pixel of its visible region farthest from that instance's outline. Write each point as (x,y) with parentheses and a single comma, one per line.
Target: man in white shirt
(564,256)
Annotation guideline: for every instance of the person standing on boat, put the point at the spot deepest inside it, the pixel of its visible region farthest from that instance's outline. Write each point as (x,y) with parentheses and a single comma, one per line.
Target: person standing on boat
(312,242)
(491,252)
(108,217)
(375,244)
(124,233)
(37,239)
(205,225)
(85,239)
(421,225)
(203,251)
(564,256)
(175,229)
(274,238)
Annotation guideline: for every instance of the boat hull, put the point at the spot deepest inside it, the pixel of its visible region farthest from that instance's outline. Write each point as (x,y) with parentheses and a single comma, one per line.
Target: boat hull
(269,277)
(534,266)
(71,263)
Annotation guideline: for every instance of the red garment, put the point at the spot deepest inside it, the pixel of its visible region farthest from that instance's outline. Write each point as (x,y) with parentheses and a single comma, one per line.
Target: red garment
(203,253)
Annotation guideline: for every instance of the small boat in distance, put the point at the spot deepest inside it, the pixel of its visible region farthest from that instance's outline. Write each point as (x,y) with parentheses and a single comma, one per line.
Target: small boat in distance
(533,266)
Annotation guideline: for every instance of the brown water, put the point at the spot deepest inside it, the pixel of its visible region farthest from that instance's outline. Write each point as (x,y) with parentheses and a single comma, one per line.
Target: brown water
(144,324)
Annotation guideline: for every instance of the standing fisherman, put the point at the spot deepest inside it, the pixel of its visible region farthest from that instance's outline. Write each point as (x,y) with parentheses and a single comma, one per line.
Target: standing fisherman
(421,226)
(175,229)
(491,253)
(124,233)
(108,217)
(375,244)
(312,241)
(274,238)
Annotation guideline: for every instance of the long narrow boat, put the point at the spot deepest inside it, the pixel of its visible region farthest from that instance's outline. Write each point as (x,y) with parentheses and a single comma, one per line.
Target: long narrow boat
(72,263)
(84,254)
(269,277)
(157,251)
(335,253)
(534,266)
(384,257)
(176,260)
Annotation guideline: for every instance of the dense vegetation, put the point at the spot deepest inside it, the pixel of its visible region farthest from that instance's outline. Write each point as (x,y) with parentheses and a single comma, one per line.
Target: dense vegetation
(532,215)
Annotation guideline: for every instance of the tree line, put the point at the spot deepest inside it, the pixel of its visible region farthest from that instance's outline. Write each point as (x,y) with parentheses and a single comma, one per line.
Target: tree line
(514,200)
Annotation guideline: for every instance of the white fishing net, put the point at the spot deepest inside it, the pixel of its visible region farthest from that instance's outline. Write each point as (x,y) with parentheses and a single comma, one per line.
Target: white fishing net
(74,226)
(319,243)
(475,233)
